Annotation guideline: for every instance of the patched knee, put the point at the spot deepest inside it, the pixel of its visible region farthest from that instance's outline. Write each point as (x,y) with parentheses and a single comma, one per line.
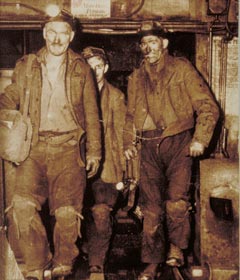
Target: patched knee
(68,220)
(24,211)
(65,215)
(101,216)
(152,221)
(177,208)
(101,211)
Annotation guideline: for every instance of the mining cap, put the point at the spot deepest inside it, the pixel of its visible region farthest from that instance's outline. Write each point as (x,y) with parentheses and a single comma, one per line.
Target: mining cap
(152,28)
(89,52)
(63,16)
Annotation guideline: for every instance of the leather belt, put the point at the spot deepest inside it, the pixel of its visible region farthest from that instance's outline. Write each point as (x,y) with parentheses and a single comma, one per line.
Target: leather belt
(56,138)
(150,134)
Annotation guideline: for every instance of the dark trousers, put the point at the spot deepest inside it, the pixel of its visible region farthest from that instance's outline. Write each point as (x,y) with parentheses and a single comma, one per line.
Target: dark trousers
(99,227)
(51,172)
(165,176)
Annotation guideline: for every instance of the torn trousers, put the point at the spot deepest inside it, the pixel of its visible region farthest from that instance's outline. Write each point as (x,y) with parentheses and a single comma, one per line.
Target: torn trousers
(165,175)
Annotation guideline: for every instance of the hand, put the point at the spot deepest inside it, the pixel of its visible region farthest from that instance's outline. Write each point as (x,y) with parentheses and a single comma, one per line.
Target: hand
(196,149)
(92,166)
(131,153)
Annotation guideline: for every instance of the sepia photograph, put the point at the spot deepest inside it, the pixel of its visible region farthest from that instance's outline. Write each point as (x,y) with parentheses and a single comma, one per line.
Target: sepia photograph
(119,140)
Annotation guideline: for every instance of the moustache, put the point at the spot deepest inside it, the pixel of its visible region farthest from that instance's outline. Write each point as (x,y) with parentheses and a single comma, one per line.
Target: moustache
(56,44)
(149,54)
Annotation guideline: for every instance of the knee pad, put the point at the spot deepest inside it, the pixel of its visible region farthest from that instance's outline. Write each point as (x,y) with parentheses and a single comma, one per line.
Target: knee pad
(177,208)
(101,216)
(152,222)
(68,223)
(24,211)
(66,216)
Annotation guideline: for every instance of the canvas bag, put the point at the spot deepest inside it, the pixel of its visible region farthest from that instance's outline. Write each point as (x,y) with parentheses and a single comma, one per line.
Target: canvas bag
(16,128)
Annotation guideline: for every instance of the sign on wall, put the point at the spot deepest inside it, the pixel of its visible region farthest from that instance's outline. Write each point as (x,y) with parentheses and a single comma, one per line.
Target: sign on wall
(91,8)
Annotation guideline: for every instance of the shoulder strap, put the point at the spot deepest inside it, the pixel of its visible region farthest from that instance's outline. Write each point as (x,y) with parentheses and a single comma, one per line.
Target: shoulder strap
(30,59)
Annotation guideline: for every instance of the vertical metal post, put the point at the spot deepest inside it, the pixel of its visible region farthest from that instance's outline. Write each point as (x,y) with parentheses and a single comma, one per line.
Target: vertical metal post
(2,199)
(222,96)
(24,42)
(210,57)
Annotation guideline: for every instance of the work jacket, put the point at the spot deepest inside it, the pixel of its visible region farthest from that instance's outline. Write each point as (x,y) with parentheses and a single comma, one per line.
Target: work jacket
(113,115)
(180,93)
(80,92)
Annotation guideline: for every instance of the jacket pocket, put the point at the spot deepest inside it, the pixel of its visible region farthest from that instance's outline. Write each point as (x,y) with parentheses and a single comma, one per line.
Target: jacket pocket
(179,99)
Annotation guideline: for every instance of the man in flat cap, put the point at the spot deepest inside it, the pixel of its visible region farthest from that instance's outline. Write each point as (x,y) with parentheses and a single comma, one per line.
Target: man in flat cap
(65,148)
(164,95)
(112,109)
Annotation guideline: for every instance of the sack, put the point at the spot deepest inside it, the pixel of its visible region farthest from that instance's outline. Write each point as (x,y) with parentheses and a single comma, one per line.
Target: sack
(16,128)
(15,136)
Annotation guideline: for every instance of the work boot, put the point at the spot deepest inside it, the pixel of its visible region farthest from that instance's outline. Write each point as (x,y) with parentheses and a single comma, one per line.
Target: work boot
(175,256)
(35,275)
(149,273)
(96,272)
(61,270)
